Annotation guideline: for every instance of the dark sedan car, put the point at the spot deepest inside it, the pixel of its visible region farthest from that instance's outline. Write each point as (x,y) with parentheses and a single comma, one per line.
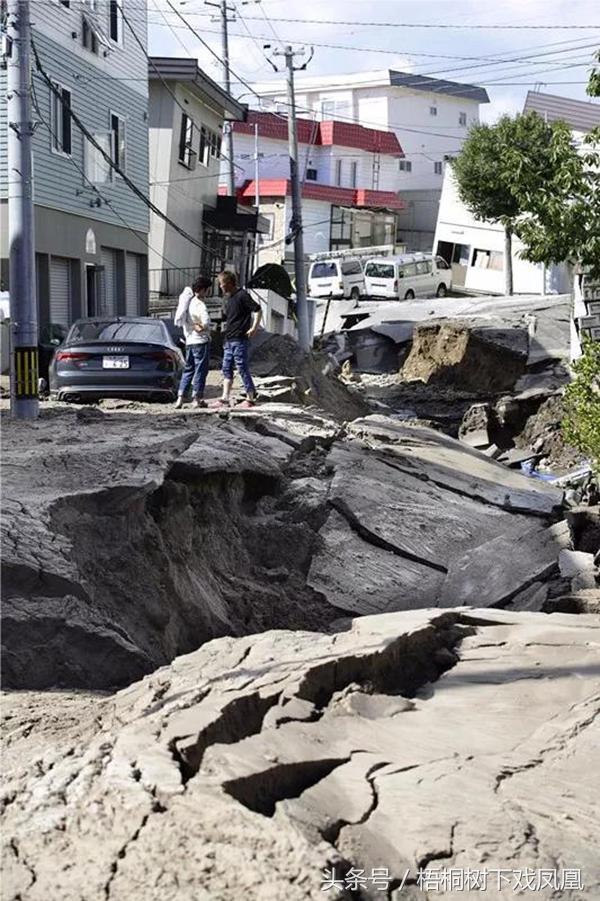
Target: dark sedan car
(124,357)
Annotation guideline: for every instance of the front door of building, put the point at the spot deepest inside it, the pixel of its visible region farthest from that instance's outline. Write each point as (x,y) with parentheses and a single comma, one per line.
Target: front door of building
(93,290)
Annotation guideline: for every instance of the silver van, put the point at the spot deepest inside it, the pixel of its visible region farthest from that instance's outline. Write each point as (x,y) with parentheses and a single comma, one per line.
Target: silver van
(407,276)
(337,278)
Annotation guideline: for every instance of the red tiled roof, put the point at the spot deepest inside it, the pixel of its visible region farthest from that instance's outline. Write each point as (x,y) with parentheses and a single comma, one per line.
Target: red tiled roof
(334,133)
(280,187)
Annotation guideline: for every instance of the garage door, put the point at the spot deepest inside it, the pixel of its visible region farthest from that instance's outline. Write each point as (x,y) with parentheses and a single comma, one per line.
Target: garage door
(132,284)
(60,291)
(109,261)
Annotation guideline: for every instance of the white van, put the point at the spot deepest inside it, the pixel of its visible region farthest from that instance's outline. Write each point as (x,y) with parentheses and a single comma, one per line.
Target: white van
(407,276)
(337,278)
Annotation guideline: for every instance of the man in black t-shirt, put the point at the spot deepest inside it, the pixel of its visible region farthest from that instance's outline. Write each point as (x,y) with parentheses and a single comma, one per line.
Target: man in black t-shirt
(241,319)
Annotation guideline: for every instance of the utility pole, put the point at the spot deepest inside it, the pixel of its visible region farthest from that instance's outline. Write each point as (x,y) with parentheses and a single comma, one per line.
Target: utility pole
(256,193)
(224,10)
(24,402)
(296,222)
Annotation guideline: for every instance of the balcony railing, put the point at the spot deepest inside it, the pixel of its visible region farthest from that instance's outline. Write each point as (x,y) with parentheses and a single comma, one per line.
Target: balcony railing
(170,282)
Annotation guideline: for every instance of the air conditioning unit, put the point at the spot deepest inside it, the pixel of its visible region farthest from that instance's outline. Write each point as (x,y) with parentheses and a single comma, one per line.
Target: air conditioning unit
(192,159)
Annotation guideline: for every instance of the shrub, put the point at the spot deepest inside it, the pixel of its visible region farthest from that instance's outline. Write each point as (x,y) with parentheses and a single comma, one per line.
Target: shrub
(581,425)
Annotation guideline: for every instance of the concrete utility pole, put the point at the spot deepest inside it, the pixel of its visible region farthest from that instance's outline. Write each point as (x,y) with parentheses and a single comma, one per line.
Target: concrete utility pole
(256,194)
(23,304)
(224,10)
(296,222)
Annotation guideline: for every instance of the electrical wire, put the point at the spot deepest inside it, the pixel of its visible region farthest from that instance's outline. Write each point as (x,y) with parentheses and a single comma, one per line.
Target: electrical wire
(93,187)
(130,184)
(427,25)
(382,50)
(485,62)
(252,90)
(164,83)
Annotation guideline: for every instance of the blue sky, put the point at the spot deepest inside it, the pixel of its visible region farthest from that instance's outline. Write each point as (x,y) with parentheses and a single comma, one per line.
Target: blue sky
(507,62)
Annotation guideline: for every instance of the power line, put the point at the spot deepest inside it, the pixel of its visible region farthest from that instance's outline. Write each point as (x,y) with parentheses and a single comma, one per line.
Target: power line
(252,90)
(428,25)
(354,48)
(164,83)
(93,187)
(467,89)
(130,184)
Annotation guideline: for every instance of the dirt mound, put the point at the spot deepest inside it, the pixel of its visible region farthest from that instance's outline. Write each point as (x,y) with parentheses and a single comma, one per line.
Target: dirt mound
(314,383)
(453,354)
(543,434)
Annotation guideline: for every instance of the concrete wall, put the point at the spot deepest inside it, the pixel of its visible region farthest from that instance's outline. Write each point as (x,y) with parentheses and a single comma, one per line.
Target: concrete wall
(180,192)
(275,311)
(417,222)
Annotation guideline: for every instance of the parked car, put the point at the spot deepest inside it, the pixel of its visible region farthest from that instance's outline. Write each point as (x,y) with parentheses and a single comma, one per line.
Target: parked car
(407,276)
(336,278)
(124,357)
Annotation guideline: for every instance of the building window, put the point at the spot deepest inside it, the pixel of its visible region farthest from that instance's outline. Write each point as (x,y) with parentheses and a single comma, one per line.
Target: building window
(116,21)
(204,148)
(65,3)
(405,166)
(311,174)
(268,236)
(438,168)
(353,174)
(95,164)
(187,155)
(118,141)
(89,38)
(462,118)
(215,145)
(488,259)
(327,109)
(338,172)
(60,103)
(433,110)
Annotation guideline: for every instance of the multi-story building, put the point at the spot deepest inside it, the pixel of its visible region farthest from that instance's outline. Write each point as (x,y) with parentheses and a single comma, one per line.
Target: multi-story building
(187,115)
(475,248)
(348,175)
(90,226)
(430,116)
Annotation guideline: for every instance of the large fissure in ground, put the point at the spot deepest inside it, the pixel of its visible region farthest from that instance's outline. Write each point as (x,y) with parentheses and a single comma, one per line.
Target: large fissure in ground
(197,558)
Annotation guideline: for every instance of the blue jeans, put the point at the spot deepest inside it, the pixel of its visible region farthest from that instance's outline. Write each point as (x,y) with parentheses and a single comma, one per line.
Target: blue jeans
(197,358)
(235,352)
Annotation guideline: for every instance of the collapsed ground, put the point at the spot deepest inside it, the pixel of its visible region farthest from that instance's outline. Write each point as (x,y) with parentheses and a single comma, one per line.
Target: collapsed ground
(334,723)
(130,539)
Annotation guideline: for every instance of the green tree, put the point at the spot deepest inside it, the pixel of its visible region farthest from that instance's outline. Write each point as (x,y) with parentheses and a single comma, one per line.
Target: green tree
(502,169)
(562,224)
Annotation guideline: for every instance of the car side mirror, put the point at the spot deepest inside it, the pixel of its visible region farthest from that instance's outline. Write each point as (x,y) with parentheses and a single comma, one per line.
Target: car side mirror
(400,275)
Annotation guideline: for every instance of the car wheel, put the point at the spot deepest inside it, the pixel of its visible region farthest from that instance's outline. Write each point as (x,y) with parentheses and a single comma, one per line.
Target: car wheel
(442,291)
(410,295)
(355,294)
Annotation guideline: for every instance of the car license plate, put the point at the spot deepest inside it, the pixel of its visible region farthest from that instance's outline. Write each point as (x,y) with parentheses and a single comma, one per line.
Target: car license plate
(115,362)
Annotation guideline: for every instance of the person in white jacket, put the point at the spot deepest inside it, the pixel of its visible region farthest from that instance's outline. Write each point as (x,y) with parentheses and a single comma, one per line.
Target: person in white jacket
(192,316)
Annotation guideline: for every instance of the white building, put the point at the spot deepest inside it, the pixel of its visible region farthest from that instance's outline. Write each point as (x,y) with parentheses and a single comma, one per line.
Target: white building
(348,174)
(430,117)
(187,111)
(475,249)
